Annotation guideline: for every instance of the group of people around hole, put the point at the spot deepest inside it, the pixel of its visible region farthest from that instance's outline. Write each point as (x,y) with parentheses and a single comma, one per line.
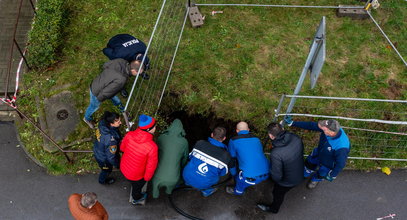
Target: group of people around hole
(164,161)
(167,162)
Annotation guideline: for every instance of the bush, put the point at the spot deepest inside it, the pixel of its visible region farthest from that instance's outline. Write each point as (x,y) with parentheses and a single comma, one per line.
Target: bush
(45,37)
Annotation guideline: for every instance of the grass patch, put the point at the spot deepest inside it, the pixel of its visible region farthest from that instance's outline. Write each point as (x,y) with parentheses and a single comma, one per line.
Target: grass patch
(237,64)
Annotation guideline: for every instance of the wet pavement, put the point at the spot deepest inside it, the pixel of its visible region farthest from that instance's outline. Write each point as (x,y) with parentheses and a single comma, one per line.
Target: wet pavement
(28,192)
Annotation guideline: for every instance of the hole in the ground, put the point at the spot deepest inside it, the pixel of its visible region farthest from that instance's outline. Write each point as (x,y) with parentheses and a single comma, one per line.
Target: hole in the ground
(198,127)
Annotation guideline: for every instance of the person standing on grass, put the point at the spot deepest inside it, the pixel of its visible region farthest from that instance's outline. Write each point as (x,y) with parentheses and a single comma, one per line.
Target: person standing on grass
(208,161)
(173,154)
(86,207)
(329,158)
(105,146)
(127,47)
(287,164)
(140,157)
(105,86)
(252,164)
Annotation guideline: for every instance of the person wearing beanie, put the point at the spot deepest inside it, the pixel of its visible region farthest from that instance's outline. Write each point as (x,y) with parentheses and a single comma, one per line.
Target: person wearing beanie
(105,146)
(140,157)
(329,158)
(287,164)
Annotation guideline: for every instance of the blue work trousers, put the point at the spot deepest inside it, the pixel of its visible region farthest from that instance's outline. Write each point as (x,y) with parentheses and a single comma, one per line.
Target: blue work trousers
(243,182)
(314,165)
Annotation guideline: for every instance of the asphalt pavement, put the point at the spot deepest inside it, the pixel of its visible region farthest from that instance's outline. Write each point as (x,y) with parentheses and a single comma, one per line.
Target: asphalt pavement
(28,192)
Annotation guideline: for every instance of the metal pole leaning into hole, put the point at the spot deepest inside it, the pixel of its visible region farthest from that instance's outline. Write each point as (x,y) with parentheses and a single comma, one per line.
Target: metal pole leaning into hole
(387,38)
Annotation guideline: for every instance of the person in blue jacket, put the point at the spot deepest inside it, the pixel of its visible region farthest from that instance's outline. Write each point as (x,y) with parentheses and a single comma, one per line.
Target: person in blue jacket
(127,47)
(252,164)
(106,145)
(207,162)
(329,158)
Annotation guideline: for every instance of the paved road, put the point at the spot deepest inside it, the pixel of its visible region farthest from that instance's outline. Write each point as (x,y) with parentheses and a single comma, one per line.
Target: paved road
(28,192)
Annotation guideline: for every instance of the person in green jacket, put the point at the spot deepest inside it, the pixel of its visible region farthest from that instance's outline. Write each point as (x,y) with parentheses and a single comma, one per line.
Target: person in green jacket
(172,157)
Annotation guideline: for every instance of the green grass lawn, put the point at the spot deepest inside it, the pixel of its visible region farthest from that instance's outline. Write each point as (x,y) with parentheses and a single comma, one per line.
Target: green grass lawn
(236,65)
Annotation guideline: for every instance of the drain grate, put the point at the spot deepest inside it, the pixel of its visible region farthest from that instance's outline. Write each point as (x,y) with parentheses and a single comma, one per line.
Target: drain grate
(62,114)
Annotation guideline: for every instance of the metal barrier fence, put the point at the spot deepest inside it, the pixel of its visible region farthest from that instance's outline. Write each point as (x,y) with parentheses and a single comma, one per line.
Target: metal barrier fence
(377,128)
(146,95)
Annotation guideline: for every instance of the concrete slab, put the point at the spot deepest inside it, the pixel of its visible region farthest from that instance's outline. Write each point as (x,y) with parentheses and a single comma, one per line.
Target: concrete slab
(195,17)
(355,13)
(61,115)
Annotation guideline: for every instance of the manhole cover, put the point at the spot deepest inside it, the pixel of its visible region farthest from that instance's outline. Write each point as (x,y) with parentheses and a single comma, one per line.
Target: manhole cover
(62,114)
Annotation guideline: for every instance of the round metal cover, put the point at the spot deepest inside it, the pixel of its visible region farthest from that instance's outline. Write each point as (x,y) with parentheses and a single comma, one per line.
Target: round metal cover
(62,114)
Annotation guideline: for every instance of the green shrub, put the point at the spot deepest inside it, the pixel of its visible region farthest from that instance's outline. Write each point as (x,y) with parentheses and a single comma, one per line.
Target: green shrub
(45,37)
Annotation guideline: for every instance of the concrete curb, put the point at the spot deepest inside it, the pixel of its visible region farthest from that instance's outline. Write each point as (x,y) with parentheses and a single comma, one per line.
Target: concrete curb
(33,159)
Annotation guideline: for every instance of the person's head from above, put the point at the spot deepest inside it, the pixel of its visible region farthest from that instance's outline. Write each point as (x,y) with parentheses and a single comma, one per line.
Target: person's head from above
(219,134)
(135,67)
(113,119)
(274,130)
(88,200)
(242,126)
(329,127)
(147,123)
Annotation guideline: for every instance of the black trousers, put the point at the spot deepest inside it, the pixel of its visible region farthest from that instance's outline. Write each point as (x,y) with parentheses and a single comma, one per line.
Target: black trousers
(137,186)
(278,197)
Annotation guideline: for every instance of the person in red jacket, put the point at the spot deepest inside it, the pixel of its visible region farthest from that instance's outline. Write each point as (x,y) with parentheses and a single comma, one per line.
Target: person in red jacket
(140,157)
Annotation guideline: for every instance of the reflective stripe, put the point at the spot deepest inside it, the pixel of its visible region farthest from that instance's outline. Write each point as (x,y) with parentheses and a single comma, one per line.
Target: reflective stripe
(209,159)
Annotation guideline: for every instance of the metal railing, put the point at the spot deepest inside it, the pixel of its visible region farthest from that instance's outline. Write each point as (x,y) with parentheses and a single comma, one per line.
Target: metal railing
(373,136)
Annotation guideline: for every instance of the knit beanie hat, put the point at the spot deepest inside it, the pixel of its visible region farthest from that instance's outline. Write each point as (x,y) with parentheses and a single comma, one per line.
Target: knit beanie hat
(146,122)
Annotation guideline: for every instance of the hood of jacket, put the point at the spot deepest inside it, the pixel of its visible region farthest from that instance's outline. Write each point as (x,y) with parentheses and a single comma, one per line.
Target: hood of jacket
(175,129)
(282,140)
(139,136)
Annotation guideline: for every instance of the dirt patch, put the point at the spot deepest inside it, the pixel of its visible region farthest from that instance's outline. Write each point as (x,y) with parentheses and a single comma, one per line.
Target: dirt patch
(394,91)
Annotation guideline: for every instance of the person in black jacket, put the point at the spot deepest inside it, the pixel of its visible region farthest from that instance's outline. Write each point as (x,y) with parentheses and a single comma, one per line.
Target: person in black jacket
(128,47)
(287,164)
(105,86)
(105,146)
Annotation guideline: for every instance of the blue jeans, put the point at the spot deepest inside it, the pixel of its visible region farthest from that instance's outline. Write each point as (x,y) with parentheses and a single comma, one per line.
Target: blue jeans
(94,105)
(243,182)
